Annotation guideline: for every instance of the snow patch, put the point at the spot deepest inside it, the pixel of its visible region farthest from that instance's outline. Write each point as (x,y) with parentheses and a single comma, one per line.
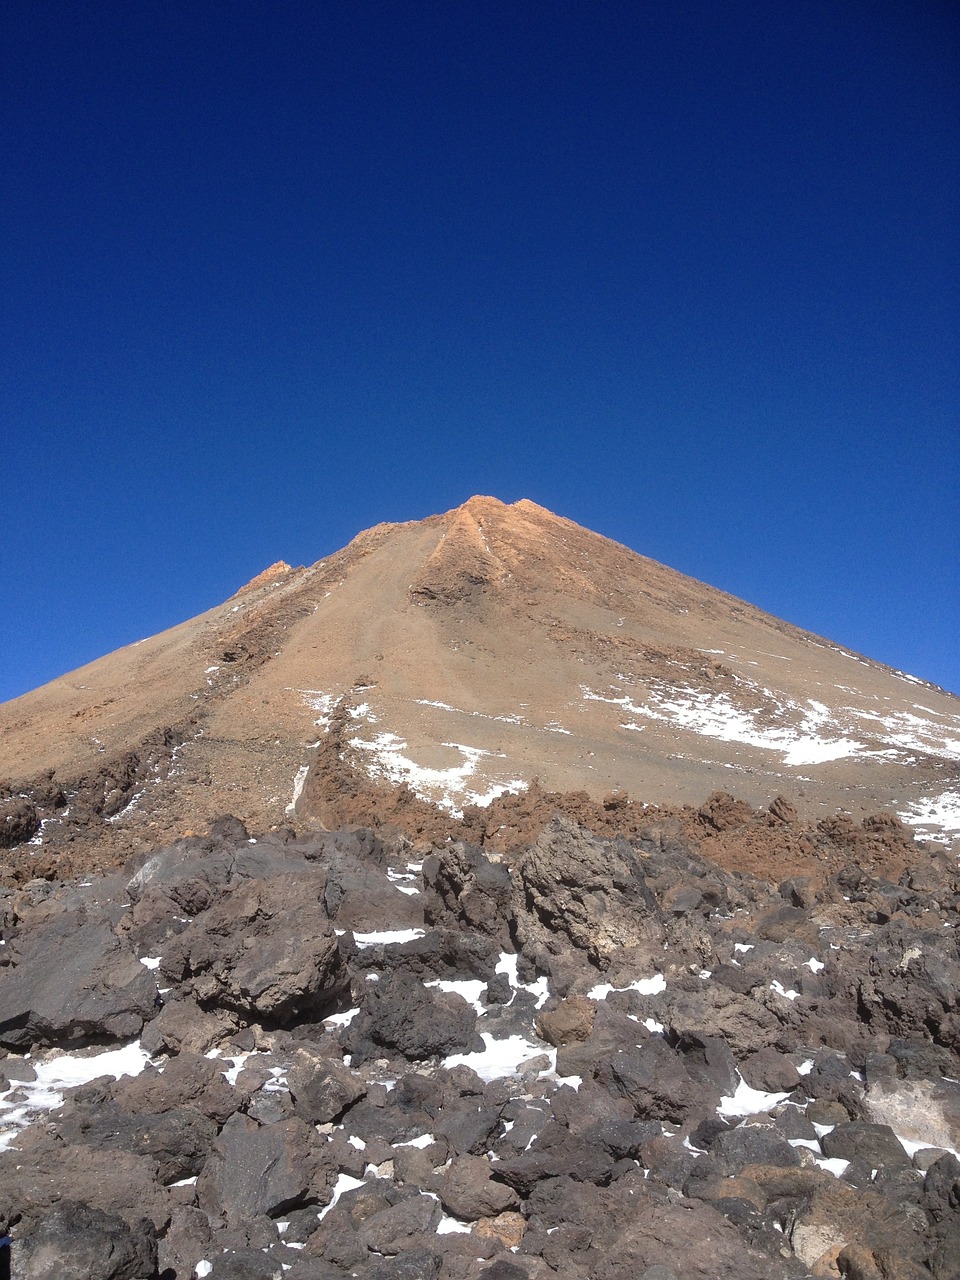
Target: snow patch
(646,986)
(748,1102)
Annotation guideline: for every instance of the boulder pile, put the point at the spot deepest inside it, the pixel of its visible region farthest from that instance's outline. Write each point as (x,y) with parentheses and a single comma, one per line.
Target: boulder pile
(324,1056)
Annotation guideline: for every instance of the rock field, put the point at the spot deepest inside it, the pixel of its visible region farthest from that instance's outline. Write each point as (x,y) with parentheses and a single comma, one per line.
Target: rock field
(334,1055)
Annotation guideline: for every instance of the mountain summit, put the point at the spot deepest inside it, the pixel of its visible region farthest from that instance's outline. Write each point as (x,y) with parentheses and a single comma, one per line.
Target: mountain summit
(460,658)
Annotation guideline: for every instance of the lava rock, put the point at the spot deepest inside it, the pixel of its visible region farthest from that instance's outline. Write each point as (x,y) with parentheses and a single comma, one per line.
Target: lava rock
(399,1014)
(254,1169)
(265,948)
(75,1241)
(73,981)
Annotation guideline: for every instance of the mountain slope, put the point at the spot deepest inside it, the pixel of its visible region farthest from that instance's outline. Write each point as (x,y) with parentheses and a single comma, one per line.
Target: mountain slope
(466,655)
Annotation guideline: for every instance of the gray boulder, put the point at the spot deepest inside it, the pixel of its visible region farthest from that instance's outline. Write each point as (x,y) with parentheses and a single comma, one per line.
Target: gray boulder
(265,948)
(75,1241)
(264,1169)
(72,982)
(399,1014)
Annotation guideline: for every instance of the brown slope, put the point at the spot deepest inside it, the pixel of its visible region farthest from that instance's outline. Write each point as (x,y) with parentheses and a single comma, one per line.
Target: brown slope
(466,652)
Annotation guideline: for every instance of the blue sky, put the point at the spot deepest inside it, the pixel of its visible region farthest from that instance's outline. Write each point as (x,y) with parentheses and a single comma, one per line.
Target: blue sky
(685,271)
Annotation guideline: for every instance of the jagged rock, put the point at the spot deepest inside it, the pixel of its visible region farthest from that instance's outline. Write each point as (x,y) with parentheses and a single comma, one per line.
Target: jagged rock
(591,892)
(469,1191)
(465,887)
(182,1026)
(917,1109)
(655,1079)
(707,1059)
(857,1263)
(467,1125)
(735,1149)
(392,1228)
(571,1020)
(186,1081)
(254,1169)
(399,1014)
(75,1241)
(177,1140)
(321,1088)
(556,1153)
(771,1071)
(42,1172)
(19,822)
(439,953)
(245,1264)
(186,1241)
(714,1010)
(72,981)
(875,1144)
(265,948)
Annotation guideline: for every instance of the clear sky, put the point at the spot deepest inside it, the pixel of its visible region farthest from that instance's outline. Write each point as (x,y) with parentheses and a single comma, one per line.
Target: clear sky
(685,271)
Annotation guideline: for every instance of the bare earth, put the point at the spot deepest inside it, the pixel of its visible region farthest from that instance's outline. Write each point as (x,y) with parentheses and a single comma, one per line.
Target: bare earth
(449,661)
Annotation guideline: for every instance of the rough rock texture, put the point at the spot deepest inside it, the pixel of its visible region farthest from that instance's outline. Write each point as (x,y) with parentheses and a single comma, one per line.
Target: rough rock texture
(265,947)
(300,1071)
(72,981)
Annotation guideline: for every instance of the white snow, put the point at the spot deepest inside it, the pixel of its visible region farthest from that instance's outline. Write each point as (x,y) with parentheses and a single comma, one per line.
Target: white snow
(782,991)
(151,962)
(317,700)
(447,1226)
(298,781)
(835,1165)
(500,1057)
(507,964)
(471,990)
(57,1074)
(386,936)
(646,986)
(714,715)
(813,964)
(343,1183)
(936,813)
(446,788)
(423,1141)
(748,1102)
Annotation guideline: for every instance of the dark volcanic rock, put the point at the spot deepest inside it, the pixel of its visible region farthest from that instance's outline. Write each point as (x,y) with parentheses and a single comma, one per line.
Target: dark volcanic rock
(399,1014)
(72,981)
(254,1169)
(76,1242)
(264,948)
(321,1088)
(19,821)
(465,887)
(655,1079)
(469,1190)
(590,892)
(43,1172)
(177,1140)
(876,1144)
(734,1149)
(186,1081)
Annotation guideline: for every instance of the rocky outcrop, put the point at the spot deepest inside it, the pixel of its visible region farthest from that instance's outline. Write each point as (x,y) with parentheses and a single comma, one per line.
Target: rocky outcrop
(71,981)
(606,1057)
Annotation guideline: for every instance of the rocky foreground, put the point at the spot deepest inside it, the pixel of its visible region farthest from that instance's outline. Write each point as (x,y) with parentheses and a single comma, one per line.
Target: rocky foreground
(318,1056)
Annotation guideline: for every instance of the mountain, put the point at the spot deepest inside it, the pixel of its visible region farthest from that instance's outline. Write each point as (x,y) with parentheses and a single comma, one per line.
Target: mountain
(572,933)
(469,655)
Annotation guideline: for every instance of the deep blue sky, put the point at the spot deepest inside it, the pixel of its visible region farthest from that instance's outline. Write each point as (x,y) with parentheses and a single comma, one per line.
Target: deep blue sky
(685,271)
